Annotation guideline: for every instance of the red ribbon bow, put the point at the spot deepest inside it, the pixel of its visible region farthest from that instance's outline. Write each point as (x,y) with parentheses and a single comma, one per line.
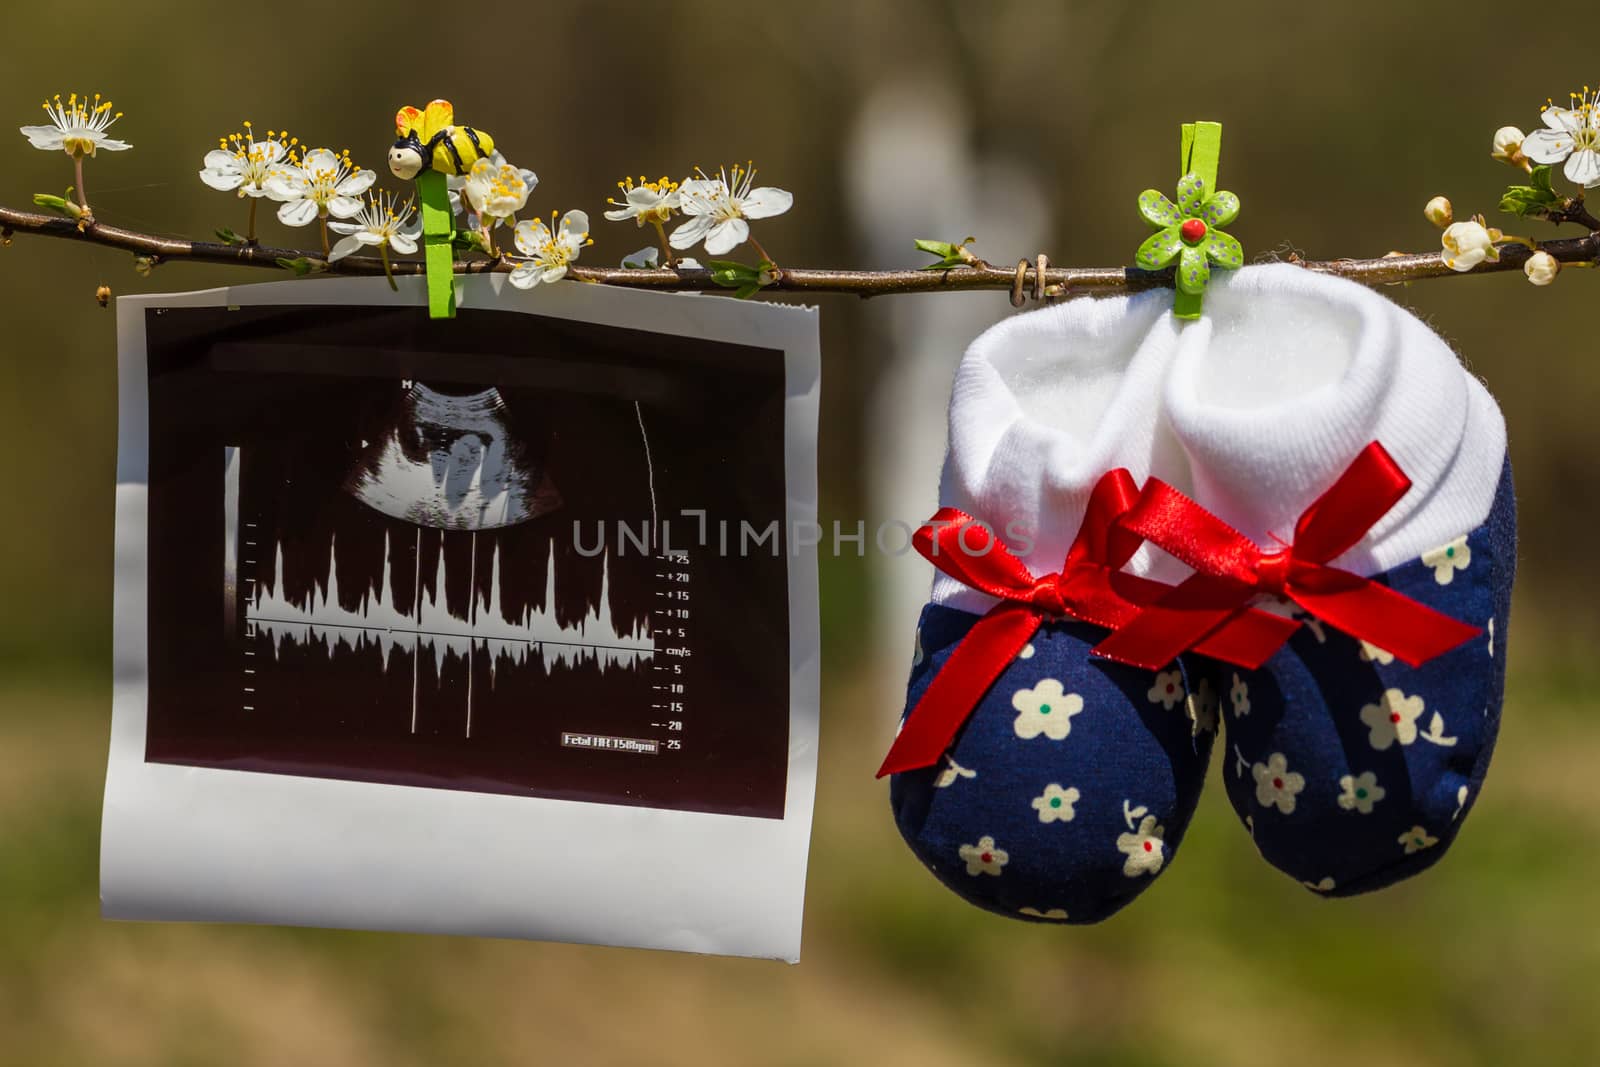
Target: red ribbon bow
(1230,571)
(1090,586)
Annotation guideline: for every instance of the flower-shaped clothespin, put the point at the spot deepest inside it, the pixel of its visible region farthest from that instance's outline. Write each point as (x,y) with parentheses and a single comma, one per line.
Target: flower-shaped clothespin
(1189,232)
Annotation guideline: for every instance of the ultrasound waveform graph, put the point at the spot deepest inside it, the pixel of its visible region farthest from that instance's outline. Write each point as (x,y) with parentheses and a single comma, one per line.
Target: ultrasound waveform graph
(403,545)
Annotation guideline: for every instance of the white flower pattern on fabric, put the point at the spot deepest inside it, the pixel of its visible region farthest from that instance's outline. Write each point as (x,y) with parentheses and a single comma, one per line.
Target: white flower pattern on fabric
(1491,638)
(1393,718)
(1371,653)
(1167,690)
(1360,792)
(1027,651)
(984,857)
(1045,709)
(1416,839)
(948,776)
(1144,848)
(1054,914)
(1055,803)
(1239,694)
(1447,559)
(1276,784)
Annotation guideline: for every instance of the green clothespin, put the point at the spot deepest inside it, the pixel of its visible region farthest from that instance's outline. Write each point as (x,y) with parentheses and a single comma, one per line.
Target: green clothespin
(438,244)
(1188,233)
(431,144)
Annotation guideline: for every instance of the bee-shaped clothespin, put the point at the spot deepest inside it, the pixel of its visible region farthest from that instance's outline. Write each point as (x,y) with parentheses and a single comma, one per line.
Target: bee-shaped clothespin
(429,147)
(430,140)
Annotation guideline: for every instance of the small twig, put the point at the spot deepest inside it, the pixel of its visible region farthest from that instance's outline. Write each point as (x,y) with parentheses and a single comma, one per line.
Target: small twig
(1388,270)
(1572,210)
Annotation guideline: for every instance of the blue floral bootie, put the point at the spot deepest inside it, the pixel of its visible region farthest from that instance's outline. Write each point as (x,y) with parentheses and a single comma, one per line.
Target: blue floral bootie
(1351,767)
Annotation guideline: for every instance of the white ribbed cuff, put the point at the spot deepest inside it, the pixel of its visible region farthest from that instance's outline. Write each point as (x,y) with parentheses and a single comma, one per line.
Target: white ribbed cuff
(1291,374)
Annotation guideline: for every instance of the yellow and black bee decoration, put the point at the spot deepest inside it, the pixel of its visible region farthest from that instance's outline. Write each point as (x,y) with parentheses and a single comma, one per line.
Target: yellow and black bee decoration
(429,139)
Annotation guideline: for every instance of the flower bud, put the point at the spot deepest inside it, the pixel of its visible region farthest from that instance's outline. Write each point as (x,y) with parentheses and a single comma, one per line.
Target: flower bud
(1508,145)
(1542,268)
(102,296)
(1439,212)
(1466,244)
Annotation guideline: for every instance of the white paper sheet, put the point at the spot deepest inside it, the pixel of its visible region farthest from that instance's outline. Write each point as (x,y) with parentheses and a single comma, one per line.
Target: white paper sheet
(185,841)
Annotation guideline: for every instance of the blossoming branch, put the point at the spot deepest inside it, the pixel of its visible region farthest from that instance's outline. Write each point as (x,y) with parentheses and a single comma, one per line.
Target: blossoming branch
(716,210)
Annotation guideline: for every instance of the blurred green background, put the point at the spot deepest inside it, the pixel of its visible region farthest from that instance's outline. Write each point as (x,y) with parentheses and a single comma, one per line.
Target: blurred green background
(889,120)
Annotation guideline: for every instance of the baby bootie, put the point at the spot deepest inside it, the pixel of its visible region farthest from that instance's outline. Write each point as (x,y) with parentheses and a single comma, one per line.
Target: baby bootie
(1032,780)
(1329,431)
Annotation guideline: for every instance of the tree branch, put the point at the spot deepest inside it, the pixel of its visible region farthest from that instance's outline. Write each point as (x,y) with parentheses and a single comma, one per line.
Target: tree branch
(1067,281)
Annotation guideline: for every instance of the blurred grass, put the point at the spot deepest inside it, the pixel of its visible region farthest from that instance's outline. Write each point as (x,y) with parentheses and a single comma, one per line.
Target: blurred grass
(1342,120)
(1490,959)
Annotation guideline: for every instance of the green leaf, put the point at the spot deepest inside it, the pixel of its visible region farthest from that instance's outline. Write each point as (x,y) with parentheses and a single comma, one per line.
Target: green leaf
(60,205)
(1541,179)
(228,237)
(947,263)
(942,249)
(1524,200)
(469,241)
(745,292)
(731,274)
(301,266)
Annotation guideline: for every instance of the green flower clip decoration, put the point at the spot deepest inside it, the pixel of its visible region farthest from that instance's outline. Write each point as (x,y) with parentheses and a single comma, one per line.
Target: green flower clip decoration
(1189,233)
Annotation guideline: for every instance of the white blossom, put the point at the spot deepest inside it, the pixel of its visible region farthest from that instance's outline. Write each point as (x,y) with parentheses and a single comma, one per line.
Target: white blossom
(1466,244)
(77,127)
(1541,268)
(324,184)
(493,188)
(380,223)
(1571,134)
(550,251)
(718,209)
(240,162)
(1439,212)
(646,202)
(1508,144)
